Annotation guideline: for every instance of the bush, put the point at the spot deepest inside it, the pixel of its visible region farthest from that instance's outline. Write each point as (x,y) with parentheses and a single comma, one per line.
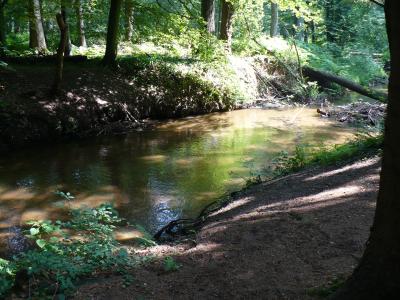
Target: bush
(64,251)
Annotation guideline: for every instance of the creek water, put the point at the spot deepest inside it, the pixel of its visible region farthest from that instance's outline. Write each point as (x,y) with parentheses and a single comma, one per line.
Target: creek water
(157,175)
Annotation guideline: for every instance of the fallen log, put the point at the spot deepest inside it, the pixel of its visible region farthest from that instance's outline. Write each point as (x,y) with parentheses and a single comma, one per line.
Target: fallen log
(325,79)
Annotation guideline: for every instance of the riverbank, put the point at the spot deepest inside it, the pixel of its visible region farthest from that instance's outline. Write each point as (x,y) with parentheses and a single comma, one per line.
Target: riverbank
(100,101)
(97,101)
(294,238)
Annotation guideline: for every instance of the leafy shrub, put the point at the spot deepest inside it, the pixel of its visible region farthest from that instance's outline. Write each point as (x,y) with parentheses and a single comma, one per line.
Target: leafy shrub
(67,250)
(170,264)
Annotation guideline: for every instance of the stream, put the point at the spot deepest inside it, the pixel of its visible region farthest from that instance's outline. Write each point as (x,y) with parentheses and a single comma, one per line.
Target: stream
(154,176)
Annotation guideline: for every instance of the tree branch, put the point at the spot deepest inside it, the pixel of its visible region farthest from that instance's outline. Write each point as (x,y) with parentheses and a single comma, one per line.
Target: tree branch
(378,3)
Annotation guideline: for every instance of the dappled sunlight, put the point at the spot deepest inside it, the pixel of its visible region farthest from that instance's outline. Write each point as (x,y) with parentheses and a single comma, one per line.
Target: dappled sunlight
(127,233)
(34,214)
(92,200)
(17,194)
(339,170)
(154,158)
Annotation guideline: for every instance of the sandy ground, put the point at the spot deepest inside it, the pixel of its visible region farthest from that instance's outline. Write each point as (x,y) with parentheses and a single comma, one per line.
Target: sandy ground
(276,241)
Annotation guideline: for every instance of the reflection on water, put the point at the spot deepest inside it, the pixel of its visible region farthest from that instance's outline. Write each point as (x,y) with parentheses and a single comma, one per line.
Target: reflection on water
(157,175)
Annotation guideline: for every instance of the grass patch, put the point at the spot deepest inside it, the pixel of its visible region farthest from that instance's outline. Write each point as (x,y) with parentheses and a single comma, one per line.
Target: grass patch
(304,157)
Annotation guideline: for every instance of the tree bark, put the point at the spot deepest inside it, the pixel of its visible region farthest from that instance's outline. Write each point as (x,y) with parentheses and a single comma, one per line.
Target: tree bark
(274,28)
(65,8)
(299,33)
(378,274)
(80,24)
(325,79)
(312,28)
(37,38)
(227,11)
(330,20)
(208,14)
(2,24)
(60,53)
(128,20)
(112,33)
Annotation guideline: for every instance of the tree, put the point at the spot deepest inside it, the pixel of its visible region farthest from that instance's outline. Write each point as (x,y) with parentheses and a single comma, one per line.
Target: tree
(128,20)
(378,274)
(65,7)
(2,24)
(60,53)
(227,11)
(37,38)
(112,33)
(80,24)
(208,14)
(274,28)
(299,28)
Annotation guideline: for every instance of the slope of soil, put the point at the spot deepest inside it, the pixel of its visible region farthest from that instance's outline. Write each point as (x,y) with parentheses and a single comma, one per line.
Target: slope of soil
(276,241)
(95,100)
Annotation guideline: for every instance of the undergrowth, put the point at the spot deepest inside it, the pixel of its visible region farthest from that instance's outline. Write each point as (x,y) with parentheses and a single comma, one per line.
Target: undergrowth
(305,157)
(62,252)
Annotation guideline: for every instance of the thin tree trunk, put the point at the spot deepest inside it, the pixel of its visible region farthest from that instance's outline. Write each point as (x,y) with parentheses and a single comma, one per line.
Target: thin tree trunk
(227,11)
(378,274)
(274,29)
(330,17)
(37,38)
(60,53)
(2,24)
(312,28)
(128,20)
(299,33)
(208,14)
(112,33)
(65,7)
(80,24)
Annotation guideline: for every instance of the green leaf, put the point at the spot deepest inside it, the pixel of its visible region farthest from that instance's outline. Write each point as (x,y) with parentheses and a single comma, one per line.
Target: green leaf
(34,231)
(41,243)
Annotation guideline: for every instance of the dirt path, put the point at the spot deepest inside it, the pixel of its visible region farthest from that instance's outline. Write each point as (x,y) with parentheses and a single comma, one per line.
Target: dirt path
(276,241)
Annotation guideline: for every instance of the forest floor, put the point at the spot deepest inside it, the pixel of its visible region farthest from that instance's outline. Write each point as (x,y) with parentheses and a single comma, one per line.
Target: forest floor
(293,238)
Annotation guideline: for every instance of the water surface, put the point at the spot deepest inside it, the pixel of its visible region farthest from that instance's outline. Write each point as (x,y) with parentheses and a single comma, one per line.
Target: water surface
(157,175)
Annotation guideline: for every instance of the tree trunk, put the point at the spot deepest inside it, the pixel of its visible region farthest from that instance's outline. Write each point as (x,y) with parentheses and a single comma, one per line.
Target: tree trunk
(330,18)
(112,33)
(312,28)
(37,38)
(299,33)
(274,29)
(60,53)
(325,79)
(378,274)
(2,25)
(208,14)
(227,11)
(80,24)
(65,8)
(128,20)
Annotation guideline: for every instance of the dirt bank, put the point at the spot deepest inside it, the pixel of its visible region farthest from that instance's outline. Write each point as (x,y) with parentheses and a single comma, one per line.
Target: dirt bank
(276,241)
(95,100)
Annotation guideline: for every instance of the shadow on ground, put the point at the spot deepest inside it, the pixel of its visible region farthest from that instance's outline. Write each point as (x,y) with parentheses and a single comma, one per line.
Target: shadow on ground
(276,241)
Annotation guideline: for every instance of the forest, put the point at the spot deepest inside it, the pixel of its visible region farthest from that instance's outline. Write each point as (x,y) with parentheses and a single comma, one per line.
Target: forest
(199,149)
